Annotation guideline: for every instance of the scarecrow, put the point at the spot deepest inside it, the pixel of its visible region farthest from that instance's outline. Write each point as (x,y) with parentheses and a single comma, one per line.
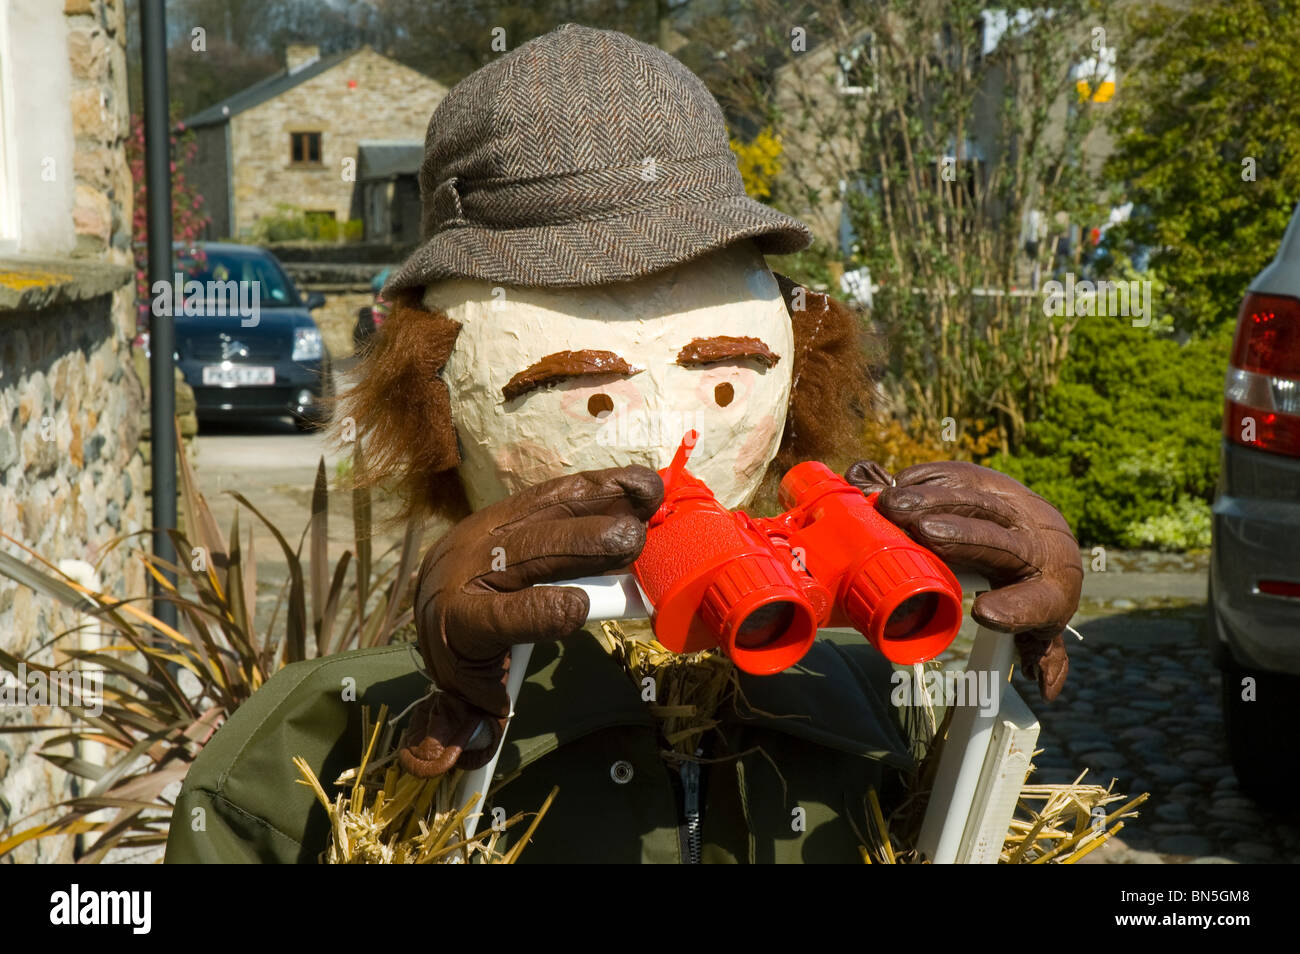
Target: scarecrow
(591,285)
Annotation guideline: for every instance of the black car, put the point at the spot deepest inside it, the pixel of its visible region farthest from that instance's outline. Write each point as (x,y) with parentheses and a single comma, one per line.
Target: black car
(245,338)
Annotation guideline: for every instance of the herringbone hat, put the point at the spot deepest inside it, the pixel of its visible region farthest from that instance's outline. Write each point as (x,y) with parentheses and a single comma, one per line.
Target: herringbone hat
(583,157)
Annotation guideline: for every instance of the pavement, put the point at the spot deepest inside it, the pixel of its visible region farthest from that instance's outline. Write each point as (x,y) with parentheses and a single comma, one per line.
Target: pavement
(274,466)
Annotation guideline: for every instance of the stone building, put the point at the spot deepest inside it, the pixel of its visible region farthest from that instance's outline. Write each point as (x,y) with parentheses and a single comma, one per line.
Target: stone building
(71,473)
(295,138)
(387,197)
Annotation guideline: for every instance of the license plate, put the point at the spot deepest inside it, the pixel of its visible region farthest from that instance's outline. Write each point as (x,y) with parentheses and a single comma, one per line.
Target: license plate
(236,375)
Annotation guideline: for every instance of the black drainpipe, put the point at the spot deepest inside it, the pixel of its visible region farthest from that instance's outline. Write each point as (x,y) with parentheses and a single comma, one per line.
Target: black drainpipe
(162,333)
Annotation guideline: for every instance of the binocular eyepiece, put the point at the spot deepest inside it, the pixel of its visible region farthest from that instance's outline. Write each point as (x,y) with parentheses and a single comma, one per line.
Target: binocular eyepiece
(760,588)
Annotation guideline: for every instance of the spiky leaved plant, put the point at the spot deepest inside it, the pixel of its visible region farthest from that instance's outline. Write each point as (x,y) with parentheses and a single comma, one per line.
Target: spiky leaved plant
(167,690)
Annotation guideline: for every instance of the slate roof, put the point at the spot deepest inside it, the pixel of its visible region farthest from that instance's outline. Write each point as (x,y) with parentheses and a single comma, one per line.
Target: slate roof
(261,91)
(385,158)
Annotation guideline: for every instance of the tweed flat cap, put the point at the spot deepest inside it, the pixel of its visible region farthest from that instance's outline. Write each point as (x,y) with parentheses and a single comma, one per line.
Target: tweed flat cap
(583,157)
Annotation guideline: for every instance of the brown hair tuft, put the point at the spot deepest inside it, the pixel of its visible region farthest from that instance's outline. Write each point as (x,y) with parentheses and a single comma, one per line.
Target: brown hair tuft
(401,410)
(831,396)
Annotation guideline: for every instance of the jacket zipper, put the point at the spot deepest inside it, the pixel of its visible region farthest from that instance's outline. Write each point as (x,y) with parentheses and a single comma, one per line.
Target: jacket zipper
(691,803)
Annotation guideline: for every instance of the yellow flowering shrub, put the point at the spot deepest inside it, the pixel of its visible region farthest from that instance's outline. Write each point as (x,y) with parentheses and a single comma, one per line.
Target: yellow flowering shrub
(759,161)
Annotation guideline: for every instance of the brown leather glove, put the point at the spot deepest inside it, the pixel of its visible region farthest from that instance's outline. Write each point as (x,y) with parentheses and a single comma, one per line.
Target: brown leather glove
(475,599)
(980,520)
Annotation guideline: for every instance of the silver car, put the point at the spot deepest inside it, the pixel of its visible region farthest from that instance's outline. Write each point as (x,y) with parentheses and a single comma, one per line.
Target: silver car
(1254,598)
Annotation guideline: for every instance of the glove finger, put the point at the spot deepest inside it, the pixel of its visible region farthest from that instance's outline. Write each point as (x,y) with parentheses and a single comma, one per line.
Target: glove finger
(958,473)
(551,550)
(482,626)
(439,734)
(1045,661)
(980,546)
(633,490)
(868,476)
(466,639)
(1036,606)
(905,506)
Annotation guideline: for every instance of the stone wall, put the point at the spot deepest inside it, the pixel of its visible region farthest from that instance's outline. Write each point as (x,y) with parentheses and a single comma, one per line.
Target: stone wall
(377,254)
(71,480)
(365,96)
(101,121)
(71,473)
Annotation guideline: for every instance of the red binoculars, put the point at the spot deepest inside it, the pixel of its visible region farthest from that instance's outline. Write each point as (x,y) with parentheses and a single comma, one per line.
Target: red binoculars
(761,587)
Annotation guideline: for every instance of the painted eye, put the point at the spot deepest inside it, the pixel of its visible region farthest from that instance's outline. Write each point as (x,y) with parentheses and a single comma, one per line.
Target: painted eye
(585,403)
(724,386)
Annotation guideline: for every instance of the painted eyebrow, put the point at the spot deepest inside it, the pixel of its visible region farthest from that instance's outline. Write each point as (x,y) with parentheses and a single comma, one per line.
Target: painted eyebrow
(565,364)
(726,348)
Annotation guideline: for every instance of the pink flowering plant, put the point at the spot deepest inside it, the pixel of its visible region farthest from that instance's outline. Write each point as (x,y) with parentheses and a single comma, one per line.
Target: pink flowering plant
(188,220)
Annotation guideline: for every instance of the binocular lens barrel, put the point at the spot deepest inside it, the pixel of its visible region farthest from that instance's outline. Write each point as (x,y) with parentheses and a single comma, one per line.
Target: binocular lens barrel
(754,610)
(912,616)
(764,625)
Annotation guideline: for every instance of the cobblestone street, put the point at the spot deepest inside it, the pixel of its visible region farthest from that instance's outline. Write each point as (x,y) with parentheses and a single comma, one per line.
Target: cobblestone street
(1142,705)
(1150,717)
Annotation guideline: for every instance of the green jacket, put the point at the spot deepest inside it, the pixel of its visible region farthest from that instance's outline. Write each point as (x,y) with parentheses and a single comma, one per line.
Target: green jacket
(578,716)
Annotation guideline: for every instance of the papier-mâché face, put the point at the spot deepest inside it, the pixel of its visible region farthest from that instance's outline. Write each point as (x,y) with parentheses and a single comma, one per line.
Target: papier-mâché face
(601,420)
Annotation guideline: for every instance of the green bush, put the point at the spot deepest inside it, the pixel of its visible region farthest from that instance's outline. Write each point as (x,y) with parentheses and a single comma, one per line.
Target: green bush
(326,228)
(1127,445)
(1185,526)
(288,223)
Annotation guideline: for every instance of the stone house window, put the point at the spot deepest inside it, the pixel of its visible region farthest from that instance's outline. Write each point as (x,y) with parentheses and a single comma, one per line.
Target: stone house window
(857,67)
(304,148)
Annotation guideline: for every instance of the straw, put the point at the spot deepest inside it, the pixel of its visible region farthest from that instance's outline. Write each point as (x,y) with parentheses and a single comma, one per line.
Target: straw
(385,816)
(689,688)
(1052,824)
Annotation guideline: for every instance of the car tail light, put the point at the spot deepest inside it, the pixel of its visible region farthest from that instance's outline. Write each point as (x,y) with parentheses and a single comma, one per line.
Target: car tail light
(1262,391)
(1280,588)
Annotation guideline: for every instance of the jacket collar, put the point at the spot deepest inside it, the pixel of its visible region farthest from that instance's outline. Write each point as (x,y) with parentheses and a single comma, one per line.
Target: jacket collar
(575,687)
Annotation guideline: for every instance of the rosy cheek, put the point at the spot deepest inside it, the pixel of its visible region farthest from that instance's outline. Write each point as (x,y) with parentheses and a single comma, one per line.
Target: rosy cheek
(753,454)
(525,463)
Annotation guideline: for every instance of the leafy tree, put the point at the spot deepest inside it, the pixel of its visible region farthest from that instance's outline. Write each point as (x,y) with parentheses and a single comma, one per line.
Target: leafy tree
(196,80)
(932,143)
(243,41)
(1207,130)
(449,39)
